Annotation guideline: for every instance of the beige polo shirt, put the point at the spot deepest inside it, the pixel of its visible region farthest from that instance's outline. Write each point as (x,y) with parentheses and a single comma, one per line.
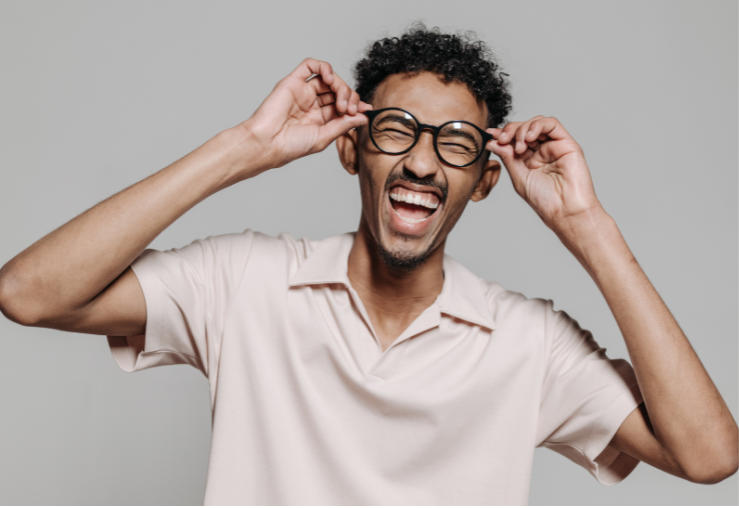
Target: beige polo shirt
(308,409)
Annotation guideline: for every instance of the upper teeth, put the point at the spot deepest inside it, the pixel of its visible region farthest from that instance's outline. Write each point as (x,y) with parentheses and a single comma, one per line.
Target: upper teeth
(413,199)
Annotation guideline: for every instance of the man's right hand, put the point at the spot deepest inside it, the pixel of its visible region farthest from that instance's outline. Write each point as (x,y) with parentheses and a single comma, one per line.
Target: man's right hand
(305,112)
(77,278)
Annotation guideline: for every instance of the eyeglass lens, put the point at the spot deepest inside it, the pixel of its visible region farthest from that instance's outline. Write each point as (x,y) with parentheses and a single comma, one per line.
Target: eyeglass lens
(458,143)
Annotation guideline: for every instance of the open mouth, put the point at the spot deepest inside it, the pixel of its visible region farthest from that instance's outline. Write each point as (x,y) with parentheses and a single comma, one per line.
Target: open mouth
(413,207)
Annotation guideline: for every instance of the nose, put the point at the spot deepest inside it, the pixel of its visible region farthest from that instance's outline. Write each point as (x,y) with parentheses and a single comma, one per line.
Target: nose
(422,160)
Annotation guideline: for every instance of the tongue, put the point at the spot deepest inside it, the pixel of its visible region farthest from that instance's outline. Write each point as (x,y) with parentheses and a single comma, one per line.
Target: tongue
(410,211)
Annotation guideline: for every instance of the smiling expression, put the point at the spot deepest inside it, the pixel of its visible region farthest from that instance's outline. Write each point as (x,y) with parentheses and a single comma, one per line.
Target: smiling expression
(410,202)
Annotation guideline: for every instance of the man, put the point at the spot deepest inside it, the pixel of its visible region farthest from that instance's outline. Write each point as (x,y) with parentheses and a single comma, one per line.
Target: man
(370,368)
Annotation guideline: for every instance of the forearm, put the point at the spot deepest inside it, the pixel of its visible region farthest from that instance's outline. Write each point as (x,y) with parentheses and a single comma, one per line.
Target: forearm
(690,418)
(68,267)
(64,272)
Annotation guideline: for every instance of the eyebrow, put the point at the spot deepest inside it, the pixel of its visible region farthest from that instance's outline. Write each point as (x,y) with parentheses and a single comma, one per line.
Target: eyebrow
(397,118)
(466,135)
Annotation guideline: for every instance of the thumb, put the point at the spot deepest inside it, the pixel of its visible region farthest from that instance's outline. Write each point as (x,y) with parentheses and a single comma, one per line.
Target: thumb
(513,163)
(330,131)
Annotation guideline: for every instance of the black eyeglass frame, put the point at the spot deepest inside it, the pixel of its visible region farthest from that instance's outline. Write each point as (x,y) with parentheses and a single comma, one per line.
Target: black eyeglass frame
(486,137)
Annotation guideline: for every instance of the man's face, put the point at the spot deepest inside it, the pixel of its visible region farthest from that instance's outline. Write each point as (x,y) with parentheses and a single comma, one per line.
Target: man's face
(406,233)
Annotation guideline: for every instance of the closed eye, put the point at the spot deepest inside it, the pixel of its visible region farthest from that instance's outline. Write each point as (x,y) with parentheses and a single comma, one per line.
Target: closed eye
(467,137)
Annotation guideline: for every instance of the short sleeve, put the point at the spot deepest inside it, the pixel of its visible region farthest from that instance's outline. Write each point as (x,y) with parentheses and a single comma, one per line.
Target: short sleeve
(188,292)
(585,398)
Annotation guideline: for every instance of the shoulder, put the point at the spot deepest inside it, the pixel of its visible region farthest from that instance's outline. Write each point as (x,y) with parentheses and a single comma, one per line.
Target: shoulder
(233,252)
(258,251)
(514,309)
(256,242)
(503,300)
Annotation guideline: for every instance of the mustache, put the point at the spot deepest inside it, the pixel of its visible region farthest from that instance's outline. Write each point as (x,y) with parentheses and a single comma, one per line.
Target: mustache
(407,176)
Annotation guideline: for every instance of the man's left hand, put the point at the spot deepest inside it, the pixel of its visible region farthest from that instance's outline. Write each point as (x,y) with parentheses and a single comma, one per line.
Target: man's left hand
(547,167)
(686,428)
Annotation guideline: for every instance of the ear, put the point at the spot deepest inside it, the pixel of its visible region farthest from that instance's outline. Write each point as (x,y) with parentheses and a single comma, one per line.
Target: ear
(488,179)
(346,145)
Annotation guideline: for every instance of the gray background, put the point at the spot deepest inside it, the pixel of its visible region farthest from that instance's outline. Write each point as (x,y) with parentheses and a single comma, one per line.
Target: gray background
(96,96)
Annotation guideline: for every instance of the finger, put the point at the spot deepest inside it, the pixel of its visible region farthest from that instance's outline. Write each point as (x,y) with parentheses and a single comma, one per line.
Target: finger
(513,163)
(520,136)
(495,132)
(343,93)
(531,152)
(554,129)
(353,106)
(311,66)
(325,99)
(363,106)
(328,112)
(338,126)
(507,132)
(503,151)
(534,132)
(319,85)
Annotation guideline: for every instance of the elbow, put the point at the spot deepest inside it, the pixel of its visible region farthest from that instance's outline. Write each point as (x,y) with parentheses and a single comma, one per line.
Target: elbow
(12,305)
(726,474)
(717,467)
(714,475)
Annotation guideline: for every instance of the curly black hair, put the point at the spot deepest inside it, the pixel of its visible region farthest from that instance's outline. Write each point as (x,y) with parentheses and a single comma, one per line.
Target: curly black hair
(455,57)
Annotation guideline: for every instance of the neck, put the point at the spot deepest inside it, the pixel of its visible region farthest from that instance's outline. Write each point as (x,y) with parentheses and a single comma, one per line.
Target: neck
(384,288)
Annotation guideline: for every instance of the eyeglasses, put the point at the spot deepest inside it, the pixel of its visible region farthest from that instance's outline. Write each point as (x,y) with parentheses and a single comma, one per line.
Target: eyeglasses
(457,143)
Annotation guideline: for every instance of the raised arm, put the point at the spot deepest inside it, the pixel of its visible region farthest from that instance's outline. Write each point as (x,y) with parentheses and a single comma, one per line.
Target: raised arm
(76,278)
(685,427)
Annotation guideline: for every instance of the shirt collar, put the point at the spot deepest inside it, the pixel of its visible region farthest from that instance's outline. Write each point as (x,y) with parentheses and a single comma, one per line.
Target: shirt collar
(462,295)
(327,263)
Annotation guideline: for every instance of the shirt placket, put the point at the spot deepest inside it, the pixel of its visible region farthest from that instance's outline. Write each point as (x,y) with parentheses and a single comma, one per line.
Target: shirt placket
(380,363)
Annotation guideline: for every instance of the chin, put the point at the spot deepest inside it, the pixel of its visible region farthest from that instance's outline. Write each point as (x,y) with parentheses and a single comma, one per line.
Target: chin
(402,260)
(403,252)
